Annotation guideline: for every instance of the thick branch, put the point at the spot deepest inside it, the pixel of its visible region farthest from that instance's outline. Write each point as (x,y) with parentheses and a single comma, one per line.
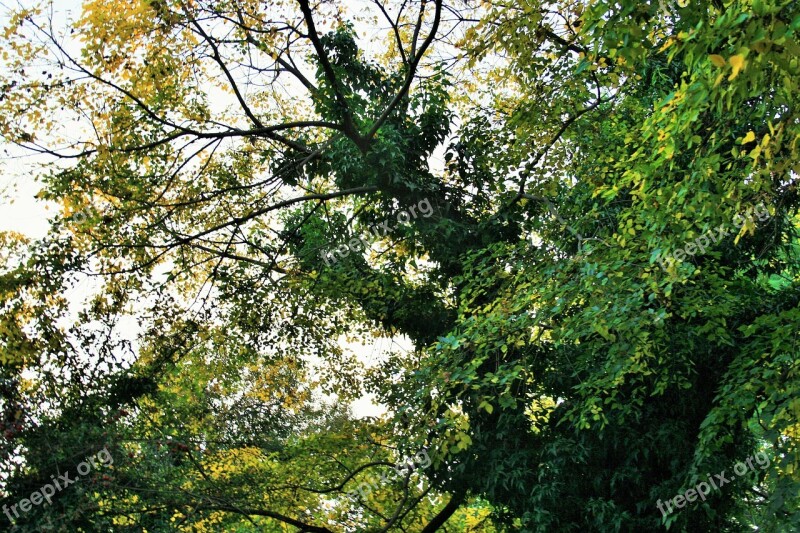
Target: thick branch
(444,515)
(327,68)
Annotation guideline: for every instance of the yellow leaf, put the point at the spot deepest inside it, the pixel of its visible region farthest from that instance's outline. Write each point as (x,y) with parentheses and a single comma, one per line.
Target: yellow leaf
(718,60)
(750,137)
(737,62)
(748,227)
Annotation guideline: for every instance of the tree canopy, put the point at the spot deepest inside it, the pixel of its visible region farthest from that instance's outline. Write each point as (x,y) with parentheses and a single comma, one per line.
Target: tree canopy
(567,232)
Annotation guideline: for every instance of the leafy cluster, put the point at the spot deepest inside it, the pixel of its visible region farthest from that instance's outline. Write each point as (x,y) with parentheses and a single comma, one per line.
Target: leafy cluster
(561,371)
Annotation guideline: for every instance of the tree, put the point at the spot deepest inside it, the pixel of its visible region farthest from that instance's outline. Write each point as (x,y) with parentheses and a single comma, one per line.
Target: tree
(600,285)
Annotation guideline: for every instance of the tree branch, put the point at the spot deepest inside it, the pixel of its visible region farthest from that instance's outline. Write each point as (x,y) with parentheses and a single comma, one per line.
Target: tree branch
(273,207)
(412,68)
(396,32)
(349,126)
(447,511)
(264,512)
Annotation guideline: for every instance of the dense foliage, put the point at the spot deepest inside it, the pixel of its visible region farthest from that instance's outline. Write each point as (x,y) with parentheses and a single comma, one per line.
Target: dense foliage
(581,217)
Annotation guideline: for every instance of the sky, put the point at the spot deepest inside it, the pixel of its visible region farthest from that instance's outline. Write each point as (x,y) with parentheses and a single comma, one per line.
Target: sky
(20,211)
